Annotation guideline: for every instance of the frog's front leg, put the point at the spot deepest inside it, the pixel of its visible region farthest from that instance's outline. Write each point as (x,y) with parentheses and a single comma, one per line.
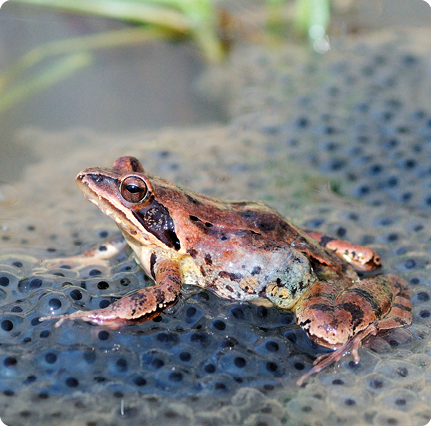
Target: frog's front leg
(361,257)
(138,307)
(343,318)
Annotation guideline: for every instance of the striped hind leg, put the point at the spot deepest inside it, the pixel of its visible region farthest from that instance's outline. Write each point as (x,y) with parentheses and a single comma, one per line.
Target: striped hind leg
(345,320)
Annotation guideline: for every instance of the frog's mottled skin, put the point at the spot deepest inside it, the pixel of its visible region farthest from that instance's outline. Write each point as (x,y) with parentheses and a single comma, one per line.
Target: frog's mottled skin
(240,251)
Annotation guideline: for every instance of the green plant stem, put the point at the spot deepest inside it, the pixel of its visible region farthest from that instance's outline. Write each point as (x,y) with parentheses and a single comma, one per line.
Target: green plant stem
(122,10)
(311,12)
(78,44)
(195,17)
(57,72)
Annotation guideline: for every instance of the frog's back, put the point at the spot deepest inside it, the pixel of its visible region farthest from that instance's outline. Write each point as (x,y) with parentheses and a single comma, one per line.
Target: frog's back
(198,217)
(270,223)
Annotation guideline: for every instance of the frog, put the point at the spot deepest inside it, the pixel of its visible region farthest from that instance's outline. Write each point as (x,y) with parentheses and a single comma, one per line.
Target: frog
(240,250)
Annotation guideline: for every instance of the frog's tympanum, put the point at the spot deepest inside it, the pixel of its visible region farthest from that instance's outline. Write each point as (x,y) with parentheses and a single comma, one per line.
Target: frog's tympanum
(241,251)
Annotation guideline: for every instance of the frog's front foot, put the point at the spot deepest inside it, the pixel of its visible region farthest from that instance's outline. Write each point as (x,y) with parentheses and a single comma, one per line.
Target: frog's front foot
(96,256)
(138,307)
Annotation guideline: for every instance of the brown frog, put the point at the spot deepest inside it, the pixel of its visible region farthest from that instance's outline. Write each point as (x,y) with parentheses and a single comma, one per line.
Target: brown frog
(241,251)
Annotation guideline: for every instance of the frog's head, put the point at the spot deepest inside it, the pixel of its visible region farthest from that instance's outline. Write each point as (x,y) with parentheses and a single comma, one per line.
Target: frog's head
(126,194)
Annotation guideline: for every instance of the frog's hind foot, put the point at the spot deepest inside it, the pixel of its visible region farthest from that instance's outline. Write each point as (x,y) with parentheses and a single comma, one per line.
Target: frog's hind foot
(361,257)
(352,346)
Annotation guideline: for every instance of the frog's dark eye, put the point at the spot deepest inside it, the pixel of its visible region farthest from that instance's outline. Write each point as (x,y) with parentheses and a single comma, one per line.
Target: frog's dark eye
(133,189)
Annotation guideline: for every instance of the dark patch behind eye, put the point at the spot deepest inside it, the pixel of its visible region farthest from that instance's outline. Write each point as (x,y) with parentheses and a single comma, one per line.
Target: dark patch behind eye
(156,219)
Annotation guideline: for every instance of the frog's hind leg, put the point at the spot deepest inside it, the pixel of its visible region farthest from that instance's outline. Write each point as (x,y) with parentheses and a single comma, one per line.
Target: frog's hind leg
(137,307)
(364,309)
(361,257)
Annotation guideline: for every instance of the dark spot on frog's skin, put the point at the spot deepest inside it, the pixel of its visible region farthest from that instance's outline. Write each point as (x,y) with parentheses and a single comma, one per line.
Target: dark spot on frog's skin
(153,260)
(160,296)
(208,225)
(204,274)
(194,218)
(370,299)
(208,259)
(176,280)
(223,238)
(304,323)
(400,321)
(229,288)
(256,270)
(138,298)
(322,307)
(192,252)
(355,311)
(402,307)
(325,240)
(231,276)
(266,226)
(212,284)
(135,165)
(192,200)
(278,281)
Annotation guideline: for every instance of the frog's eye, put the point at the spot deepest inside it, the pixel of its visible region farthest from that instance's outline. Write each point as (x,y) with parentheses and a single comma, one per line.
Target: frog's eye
(133,189)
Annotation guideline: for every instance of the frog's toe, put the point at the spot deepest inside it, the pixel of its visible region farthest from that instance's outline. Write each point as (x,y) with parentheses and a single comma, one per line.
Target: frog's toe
(60,319)
(98,317)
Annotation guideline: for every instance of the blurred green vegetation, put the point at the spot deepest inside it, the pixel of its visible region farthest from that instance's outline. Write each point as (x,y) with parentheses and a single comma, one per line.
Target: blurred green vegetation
(199,20)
